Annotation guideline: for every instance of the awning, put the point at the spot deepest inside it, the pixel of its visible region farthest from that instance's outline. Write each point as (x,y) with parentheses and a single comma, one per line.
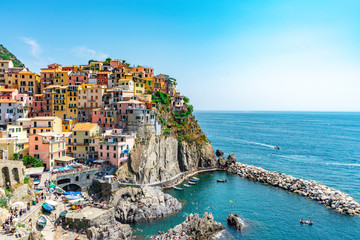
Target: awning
(65,159)
(91,159)
(34,171)
(99,161)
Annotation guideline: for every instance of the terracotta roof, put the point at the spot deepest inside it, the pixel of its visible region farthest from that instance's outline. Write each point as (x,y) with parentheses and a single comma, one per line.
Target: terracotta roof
(84,126)
(8,89)
(8,101)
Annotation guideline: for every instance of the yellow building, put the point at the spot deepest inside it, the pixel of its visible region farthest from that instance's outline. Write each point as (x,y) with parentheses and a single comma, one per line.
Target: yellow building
(59,94)
(149,84)
(54,75)
(83,135)
(71,101)
(67,124)
(95,66)
(139,86)
(25,82)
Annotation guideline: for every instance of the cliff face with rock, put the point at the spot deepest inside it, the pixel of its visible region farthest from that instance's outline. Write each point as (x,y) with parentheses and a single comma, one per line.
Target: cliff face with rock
(181,147)
(195,227)
(133,205)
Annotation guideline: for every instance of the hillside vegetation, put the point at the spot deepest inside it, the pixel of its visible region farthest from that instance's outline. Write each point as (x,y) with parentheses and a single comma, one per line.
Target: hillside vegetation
(6,55)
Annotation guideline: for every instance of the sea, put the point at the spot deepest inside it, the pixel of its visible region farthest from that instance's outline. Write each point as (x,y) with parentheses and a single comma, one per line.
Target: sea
(320,146)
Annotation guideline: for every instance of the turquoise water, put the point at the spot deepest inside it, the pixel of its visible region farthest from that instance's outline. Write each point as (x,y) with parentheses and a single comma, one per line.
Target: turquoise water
(316,146)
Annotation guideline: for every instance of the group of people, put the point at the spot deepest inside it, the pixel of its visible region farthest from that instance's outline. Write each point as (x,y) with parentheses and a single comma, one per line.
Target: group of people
(167,236)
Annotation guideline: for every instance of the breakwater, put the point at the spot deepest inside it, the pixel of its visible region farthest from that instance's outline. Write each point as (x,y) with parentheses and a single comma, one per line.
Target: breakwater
(330,197)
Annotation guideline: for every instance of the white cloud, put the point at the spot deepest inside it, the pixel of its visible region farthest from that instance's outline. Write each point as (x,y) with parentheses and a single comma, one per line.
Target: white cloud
(35,49)
(87,53)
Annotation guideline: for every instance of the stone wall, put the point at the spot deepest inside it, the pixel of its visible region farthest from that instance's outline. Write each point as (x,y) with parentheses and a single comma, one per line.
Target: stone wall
(11,172)
(81,179)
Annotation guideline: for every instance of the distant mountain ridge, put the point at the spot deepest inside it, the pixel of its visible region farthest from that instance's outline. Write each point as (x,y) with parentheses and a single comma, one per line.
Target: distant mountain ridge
(6,55)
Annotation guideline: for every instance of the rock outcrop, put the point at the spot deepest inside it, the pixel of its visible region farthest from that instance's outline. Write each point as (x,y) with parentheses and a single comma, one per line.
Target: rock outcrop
(330,197)
(133,205)
(109,231)
(234,220)
(195,228)
(219,153)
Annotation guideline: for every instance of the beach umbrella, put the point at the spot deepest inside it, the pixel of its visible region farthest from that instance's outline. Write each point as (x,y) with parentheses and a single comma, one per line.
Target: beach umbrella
(71,193)
(61,169)
(51,185)
(52,203)
(66,168)
(55,170)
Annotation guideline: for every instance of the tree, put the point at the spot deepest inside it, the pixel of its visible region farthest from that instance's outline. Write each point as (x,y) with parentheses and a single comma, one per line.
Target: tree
(186,99)
(190,108)
(15,156)
(30,161)
(108,60)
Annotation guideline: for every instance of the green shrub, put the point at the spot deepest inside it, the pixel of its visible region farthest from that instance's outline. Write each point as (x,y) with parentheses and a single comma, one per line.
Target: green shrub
(26,180)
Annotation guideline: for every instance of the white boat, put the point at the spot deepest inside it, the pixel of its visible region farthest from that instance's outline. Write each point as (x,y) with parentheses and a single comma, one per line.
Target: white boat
(196,178)
(186,185)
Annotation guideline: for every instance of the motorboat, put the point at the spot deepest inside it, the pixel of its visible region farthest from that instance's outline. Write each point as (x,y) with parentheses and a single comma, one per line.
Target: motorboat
(308,222)
(277,147)
(185,185)
(193,180)
(192,183)
(221,180)
(196,178)
(178,188)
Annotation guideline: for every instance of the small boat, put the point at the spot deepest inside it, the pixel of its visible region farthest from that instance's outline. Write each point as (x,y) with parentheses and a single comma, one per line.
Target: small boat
(196,178)
(277,148)
(178,188)
(193,180)
(47,207)
(306,222)
(41,221)
(192,183)
(186,185)
(222,180)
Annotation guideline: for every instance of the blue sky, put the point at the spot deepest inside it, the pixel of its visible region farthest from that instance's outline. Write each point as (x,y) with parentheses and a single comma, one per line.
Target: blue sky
(226,55)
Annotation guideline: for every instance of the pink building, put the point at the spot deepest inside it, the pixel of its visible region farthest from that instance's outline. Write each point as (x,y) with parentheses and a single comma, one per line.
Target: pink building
(50,148)
(105,117)
(115,147)
(78,78)
(8,93)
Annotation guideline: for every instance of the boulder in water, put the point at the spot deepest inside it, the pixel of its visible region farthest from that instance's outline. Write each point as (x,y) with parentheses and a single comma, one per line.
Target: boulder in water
(219,153)
(233,220)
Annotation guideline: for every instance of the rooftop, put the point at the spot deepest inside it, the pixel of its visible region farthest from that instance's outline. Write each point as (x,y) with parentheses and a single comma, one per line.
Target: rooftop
(84,126)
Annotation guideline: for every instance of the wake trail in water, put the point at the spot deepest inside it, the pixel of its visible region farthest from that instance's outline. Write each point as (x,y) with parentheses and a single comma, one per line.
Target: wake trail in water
(259,144)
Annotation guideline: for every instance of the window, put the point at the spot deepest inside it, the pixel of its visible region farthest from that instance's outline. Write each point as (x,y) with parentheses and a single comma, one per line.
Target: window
(101,147)
(36,138)
(36,147)
(114,155)
(107,155)
(86,133)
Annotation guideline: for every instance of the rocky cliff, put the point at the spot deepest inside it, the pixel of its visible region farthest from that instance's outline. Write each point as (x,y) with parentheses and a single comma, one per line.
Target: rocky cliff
(133,205)
(181,147)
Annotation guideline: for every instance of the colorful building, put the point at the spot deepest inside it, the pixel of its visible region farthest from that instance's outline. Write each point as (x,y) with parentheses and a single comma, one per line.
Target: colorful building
(79,77)
(115,146)
(4,67)
(25,82)
(50,148)
(83,134)
(10,111)
(40,124)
